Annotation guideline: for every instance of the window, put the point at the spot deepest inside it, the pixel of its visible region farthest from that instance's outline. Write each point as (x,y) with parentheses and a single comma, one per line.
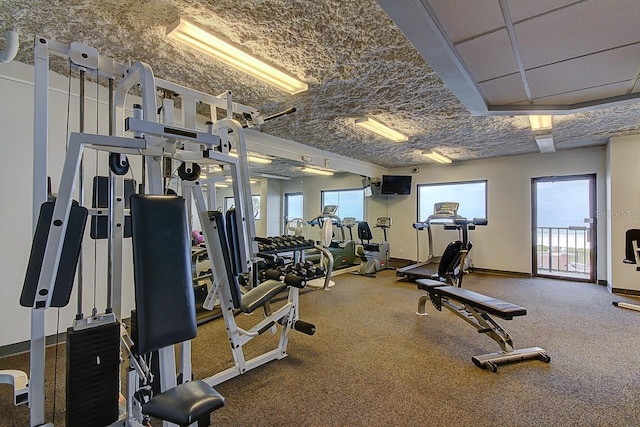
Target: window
(472,196)
(349,202)
(255,200)
(293,207)
(229,202)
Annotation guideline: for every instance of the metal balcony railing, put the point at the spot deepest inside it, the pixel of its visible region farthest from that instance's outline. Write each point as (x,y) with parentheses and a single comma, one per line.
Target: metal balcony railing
(563,251)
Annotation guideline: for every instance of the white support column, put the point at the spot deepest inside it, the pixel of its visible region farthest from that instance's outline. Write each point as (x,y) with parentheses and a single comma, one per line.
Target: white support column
(40,154)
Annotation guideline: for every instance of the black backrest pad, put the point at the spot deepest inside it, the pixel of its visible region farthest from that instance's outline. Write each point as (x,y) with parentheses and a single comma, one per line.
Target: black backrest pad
(217,220)
(364,231)
(450,258)
(233,239)
(68,259)
(631,236)
(165,307)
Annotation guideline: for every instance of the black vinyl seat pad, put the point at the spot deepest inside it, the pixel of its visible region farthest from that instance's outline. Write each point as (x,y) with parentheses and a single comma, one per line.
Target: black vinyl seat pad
(184,404)
(502,309)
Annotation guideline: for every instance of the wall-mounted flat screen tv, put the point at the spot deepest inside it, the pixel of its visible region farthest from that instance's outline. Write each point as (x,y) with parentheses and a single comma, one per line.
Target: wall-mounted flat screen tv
(396,184)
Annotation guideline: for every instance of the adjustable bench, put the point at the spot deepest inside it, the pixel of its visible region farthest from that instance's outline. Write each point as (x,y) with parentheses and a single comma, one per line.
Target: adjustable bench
(476,309)
(165,309)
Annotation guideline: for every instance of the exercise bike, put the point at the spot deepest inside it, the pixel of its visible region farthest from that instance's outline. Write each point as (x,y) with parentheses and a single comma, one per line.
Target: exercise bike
(374,256)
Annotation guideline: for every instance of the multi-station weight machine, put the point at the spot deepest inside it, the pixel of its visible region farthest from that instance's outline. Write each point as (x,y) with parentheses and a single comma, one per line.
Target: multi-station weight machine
(150,139)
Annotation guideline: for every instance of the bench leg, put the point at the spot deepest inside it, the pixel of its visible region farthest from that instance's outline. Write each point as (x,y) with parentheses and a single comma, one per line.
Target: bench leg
(485,324)
(492,360)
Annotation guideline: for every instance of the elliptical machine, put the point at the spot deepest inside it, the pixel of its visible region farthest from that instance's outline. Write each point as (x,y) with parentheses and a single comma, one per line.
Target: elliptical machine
(343,251)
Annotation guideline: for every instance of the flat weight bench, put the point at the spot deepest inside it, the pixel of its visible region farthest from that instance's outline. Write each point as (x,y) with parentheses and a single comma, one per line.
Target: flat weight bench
(476,309)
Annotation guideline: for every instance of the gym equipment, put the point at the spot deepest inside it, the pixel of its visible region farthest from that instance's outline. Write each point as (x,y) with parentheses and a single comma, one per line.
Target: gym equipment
(632,256)
(202,278)
(153,136)
(375,256)
(444,214)
(342,250)
(296,227)
(162,268)
(227,291)
(11,47)
(453,263)
(476,309)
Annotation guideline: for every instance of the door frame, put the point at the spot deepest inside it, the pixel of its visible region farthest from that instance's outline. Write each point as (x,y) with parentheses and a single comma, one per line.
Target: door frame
(591,227)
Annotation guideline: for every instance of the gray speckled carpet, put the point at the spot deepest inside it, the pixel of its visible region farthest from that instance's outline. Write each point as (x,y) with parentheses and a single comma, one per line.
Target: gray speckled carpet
(374,362)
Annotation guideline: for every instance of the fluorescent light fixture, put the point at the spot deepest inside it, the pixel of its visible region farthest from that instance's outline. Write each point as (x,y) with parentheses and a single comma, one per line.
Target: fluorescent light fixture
(220,185)
(254,159)
(268,175)
(545,143)
(317,171)
(197,38)
(380,129)
(437,157)
(541,122)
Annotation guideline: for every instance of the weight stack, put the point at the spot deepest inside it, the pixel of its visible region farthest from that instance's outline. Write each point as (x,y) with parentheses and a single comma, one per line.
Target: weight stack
(93,375)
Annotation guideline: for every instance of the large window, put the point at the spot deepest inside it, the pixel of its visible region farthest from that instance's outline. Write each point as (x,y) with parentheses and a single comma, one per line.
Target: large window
(349,202)
(472,196)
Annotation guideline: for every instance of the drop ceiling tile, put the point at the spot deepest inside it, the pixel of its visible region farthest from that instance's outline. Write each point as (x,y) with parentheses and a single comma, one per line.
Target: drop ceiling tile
(578,30)
(463,19)
(505,90)
(489,56)
(523,9)
(584,95)
(588,71)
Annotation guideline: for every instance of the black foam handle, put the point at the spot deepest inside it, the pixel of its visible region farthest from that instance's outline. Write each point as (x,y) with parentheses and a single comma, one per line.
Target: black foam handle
(304,327)
(265,328)
(281,113)
(272,274)
(480,221)
(295,281)
(269,257)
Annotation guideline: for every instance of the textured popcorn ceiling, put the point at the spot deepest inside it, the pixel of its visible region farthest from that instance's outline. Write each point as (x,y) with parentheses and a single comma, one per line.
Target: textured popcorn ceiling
(355,60)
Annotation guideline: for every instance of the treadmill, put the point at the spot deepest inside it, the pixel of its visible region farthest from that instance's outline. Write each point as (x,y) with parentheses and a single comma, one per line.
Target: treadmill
(444,214)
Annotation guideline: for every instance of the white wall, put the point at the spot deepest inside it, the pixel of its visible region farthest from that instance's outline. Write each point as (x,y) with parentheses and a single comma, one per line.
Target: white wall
(505,243)
(622,209)
(272,216)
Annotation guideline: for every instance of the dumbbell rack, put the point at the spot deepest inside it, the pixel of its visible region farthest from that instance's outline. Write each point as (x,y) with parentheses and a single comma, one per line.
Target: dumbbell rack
(271,249)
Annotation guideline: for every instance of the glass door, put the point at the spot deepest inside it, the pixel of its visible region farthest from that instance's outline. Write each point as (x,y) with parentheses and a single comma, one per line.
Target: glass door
(564,227)
(293,203)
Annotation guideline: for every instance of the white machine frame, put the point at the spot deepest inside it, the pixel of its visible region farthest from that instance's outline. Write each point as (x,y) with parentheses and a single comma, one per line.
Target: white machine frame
(154,141)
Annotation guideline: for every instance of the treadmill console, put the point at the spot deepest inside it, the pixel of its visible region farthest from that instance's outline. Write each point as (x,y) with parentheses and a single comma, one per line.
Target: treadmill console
(446,209)
(383,222)
(349,221)
(329,209)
